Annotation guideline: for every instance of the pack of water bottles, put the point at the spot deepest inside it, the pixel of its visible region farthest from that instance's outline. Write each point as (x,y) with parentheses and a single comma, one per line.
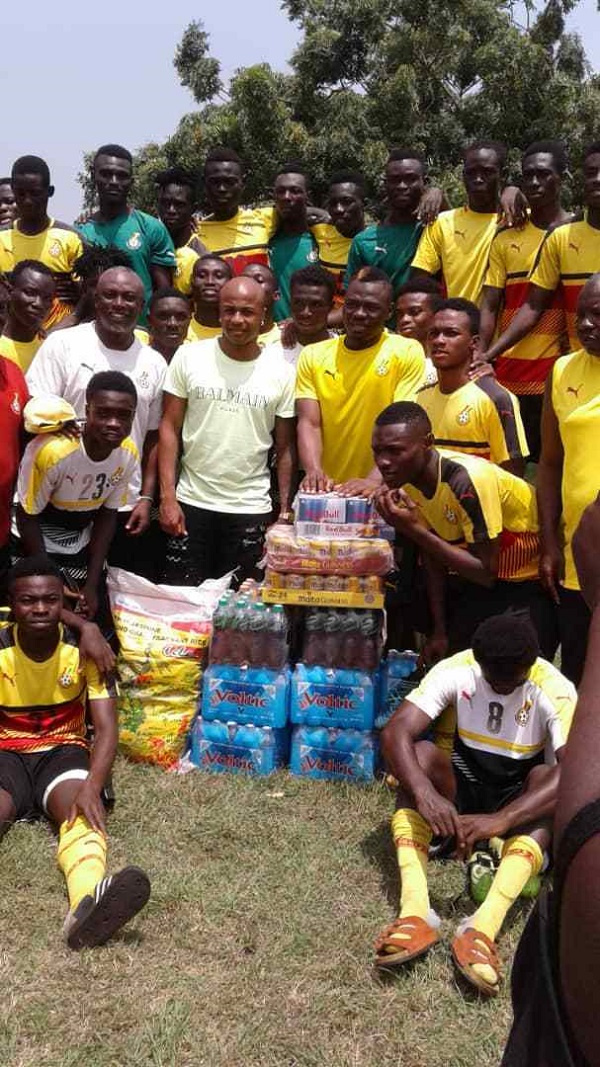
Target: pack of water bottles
(234,748)
(344,639)
(247,632)
(400,674)
(333,754)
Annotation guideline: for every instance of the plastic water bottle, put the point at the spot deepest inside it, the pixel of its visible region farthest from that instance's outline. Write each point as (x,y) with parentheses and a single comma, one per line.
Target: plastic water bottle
(258,638)
(369,645)
(219,646)
(332,642)
(313,638)
(276,643)
(350,643)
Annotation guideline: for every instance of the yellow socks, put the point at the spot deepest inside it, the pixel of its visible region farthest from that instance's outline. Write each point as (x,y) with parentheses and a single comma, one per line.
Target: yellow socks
(412,836)
(81,857)
(521,858)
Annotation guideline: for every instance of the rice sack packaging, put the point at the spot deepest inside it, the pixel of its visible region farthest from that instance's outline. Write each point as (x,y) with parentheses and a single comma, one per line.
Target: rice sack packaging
(164,632)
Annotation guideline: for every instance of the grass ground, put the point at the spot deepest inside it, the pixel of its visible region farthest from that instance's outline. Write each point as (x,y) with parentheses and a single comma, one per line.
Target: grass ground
(255,949)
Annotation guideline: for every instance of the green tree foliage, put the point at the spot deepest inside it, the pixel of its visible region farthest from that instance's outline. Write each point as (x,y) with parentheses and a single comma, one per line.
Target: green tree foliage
(370,74)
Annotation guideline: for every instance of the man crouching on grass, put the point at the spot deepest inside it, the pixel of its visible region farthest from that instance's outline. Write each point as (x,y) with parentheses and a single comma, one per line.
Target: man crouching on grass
(514,711)
(45,762)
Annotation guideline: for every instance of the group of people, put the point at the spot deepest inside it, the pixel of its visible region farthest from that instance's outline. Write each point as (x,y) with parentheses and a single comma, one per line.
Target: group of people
(168,381)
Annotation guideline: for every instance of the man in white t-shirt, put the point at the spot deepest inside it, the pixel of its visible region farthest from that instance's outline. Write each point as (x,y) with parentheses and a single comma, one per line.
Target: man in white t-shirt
(68,359)
(226,400)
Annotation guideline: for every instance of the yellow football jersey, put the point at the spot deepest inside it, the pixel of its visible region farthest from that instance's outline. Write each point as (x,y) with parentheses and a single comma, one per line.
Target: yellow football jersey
(458,245)
(576,402)
(43,704)
(333,249)
(477,501)
(20,352)
(481,418)
(524,367)
(352,388)
(242,239)
(58,246)
(198,332)
(185,260)
(568,256)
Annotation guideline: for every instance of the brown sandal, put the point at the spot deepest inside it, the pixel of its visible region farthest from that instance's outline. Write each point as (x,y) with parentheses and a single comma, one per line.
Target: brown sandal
(470,947)
(419,938)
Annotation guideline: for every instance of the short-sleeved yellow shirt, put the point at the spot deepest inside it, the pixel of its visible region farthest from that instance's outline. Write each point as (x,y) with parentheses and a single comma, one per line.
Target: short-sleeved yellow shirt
(458,245)
(569,255)
(481,418)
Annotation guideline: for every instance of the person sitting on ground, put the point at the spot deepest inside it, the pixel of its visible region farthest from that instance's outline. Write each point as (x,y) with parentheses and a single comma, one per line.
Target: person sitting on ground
(69,488)
(168,321)
(514,711)
(86,270)
(343,383)
(270,333)
(175,207)
(34,235)
(46,764)
(31,296)
(474,523)
(208,278)
(479,417)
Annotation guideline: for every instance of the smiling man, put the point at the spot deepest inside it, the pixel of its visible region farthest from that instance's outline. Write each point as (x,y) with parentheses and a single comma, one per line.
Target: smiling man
(31,295)
(568,473)
(226,401)
(46,764)
(144,238)
(69,358)
(343,383)
(514,711)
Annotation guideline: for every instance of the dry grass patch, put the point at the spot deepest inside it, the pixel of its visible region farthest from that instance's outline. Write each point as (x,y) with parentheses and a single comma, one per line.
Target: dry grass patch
(255,949)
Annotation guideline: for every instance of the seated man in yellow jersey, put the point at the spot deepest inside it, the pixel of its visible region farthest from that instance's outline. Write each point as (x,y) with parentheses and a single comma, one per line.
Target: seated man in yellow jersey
(524,368)
(175,208)
(270,333)
(31,295)
(474,523)
(34,235)
(46,764)
(87,269)
(208,278)
(69,489)
(169,319)
(239,235)
(568,474)
(479,417)
(567,257)
(342,384)
(457,244)
(514,711)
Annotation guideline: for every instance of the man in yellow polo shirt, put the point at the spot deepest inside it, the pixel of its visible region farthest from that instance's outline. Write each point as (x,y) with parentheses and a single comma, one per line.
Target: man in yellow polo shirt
(568,473)
(568,256)
(34,235)
(475,525)
(479,417)
(458,242)
(239,235)
(31,296)
(343,383)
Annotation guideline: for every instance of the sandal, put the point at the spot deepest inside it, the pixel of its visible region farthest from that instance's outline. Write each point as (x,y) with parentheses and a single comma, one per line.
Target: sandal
(471,947)
(418,938)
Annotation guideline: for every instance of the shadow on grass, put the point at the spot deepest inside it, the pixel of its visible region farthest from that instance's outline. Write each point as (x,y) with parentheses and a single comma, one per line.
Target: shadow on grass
(378,849)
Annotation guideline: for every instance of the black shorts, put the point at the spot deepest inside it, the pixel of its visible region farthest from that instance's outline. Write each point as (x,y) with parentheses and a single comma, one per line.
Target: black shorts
(477,797)
(216,543)
(30,777)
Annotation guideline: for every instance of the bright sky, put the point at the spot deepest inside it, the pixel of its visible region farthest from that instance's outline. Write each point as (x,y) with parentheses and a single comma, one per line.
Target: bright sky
(76,74)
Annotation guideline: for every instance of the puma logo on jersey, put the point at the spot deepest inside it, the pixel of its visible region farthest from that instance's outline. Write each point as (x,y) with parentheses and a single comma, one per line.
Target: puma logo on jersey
(576,248)
(70,478)
(515,247)
(574,391)
(460,233)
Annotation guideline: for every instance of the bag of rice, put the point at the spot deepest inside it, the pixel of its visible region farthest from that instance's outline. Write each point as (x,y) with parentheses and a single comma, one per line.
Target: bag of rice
(164,633)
